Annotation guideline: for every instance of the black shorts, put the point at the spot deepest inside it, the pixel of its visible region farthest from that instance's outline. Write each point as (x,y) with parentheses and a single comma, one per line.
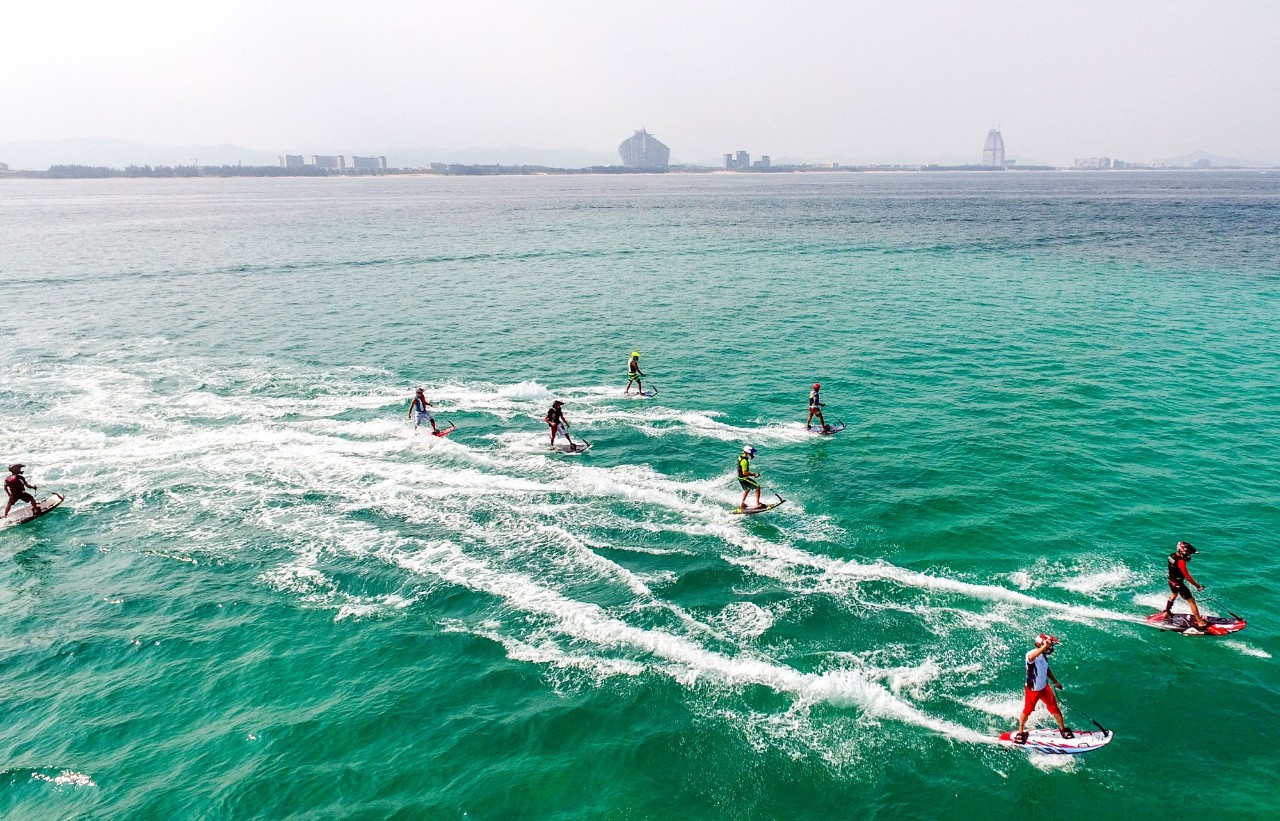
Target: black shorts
(748,484)
(1180,588)
(22,497)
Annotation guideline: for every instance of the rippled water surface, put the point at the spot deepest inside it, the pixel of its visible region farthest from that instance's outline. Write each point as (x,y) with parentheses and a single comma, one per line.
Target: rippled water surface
(265,596)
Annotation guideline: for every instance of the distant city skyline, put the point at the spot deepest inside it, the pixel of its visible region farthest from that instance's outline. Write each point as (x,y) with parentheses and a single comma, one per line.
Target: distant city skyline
(817,79)
(111,153)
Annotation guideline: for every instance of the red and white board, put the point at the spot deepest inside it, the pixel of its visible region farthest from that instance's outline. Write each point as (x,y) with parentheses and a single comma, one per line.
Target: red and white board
(1185,624)
(1050,742)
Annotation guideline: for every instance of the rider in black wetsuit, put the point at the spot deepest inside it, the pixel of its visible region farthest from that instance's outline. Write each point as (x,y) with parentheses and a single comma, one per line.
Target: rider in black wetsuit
(558,424)
(1178,578)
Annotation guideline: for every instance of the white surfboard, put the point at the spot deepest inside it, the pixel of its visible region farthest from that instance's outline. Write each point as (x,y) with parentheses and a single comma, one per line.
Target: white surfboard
(581,446)
(1048,741)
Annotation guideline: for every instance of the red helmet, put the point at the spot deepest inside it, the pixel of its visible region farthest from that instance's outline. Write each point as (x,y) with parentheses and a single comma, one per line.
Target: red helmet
(1045,638)
(816,386)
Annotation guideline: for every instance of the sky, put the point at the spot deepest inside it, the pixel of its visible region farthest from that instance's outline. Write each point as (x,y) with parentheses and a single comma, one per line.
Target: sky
(808,79)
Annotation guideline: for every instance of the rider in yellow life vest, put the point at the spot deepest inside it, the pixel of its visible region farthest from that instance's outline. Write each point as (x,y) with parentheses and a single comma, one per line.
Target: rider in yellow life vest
(634,373)
(746,478)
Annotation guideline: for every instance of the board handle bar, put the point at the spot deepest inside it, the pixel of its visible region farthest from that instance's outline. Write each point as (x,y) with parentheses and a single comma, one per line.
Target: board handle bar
(1223,604)
(1086,715)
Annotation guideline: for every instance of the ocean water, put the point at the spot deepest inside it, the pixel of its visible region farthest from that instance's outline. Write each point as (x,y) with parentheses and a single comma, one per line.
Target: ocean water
(267,597)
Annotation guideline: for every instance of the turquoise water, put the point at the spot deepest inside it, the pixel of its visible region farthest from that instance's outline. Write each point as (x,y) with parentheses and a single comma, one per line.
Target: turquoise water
(266,597)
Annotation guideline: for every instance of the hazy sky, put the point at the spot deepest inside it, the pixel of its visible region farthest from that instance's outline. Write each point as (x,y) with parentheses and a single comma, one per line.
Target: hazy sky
(1136,79)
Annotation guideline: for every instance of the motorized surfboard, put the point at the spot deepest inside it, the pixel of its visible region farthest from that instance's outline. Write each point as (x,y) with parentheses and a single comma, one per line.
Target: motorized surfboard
(1185,624)
(1049,741)
(24,514)
(581,446)
(751,511)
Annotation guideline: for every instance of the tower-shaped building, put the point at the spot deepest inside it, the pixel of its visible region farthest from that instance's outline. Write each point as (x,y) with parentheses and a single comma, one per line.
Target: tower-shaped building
(993,151)
(642,150)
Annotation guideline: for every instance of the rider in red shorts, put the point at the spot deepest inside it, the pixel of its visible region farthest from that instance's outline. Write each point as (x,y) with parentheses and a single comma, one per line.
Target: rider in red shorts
(1037,687)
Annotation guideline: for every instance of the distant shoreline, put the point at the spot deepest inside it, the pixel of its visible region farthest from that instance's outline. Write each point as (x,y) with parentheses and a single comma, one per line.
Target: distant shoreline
(81,172)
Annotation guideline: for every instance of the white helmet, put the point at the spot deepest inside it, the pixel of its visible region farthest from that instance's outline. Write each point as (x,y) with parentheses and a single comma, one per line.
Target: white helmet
(747,449)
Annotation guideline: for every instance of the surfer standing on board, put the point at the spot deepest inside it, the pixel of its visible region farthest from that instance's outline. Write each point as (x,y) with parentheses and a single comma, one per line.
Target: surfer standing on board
(815,409)
(558,424)
(634,373)
(746,478)
(1178,578)
(419,406)
(16,486)
(1037,688)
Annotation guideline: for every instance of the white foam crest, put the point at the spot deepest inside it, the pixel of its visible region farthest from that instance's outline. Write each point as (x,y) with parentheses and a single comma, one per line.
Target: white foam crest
(914,679)
(592,559)
(260,408)
(744,619)
(780,559)
(1001,705)
(511,531)
(129,398)
(681,658)
(702,424)
(66,778)
(1246,649)
(372,429)
(235,448)
(638,484)
(1155,601)
(547,653)
(503,401)
(1053,763)
(358,607)
(525,391)
(1022,579)
(299,577)
(1095,582)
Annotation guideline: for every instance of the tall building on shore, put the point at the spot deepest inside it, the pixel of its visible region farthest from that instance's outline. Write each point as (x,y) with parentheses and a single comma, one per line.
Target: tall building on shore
(369,163)
(993,151)
(291,161)
(642,150)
